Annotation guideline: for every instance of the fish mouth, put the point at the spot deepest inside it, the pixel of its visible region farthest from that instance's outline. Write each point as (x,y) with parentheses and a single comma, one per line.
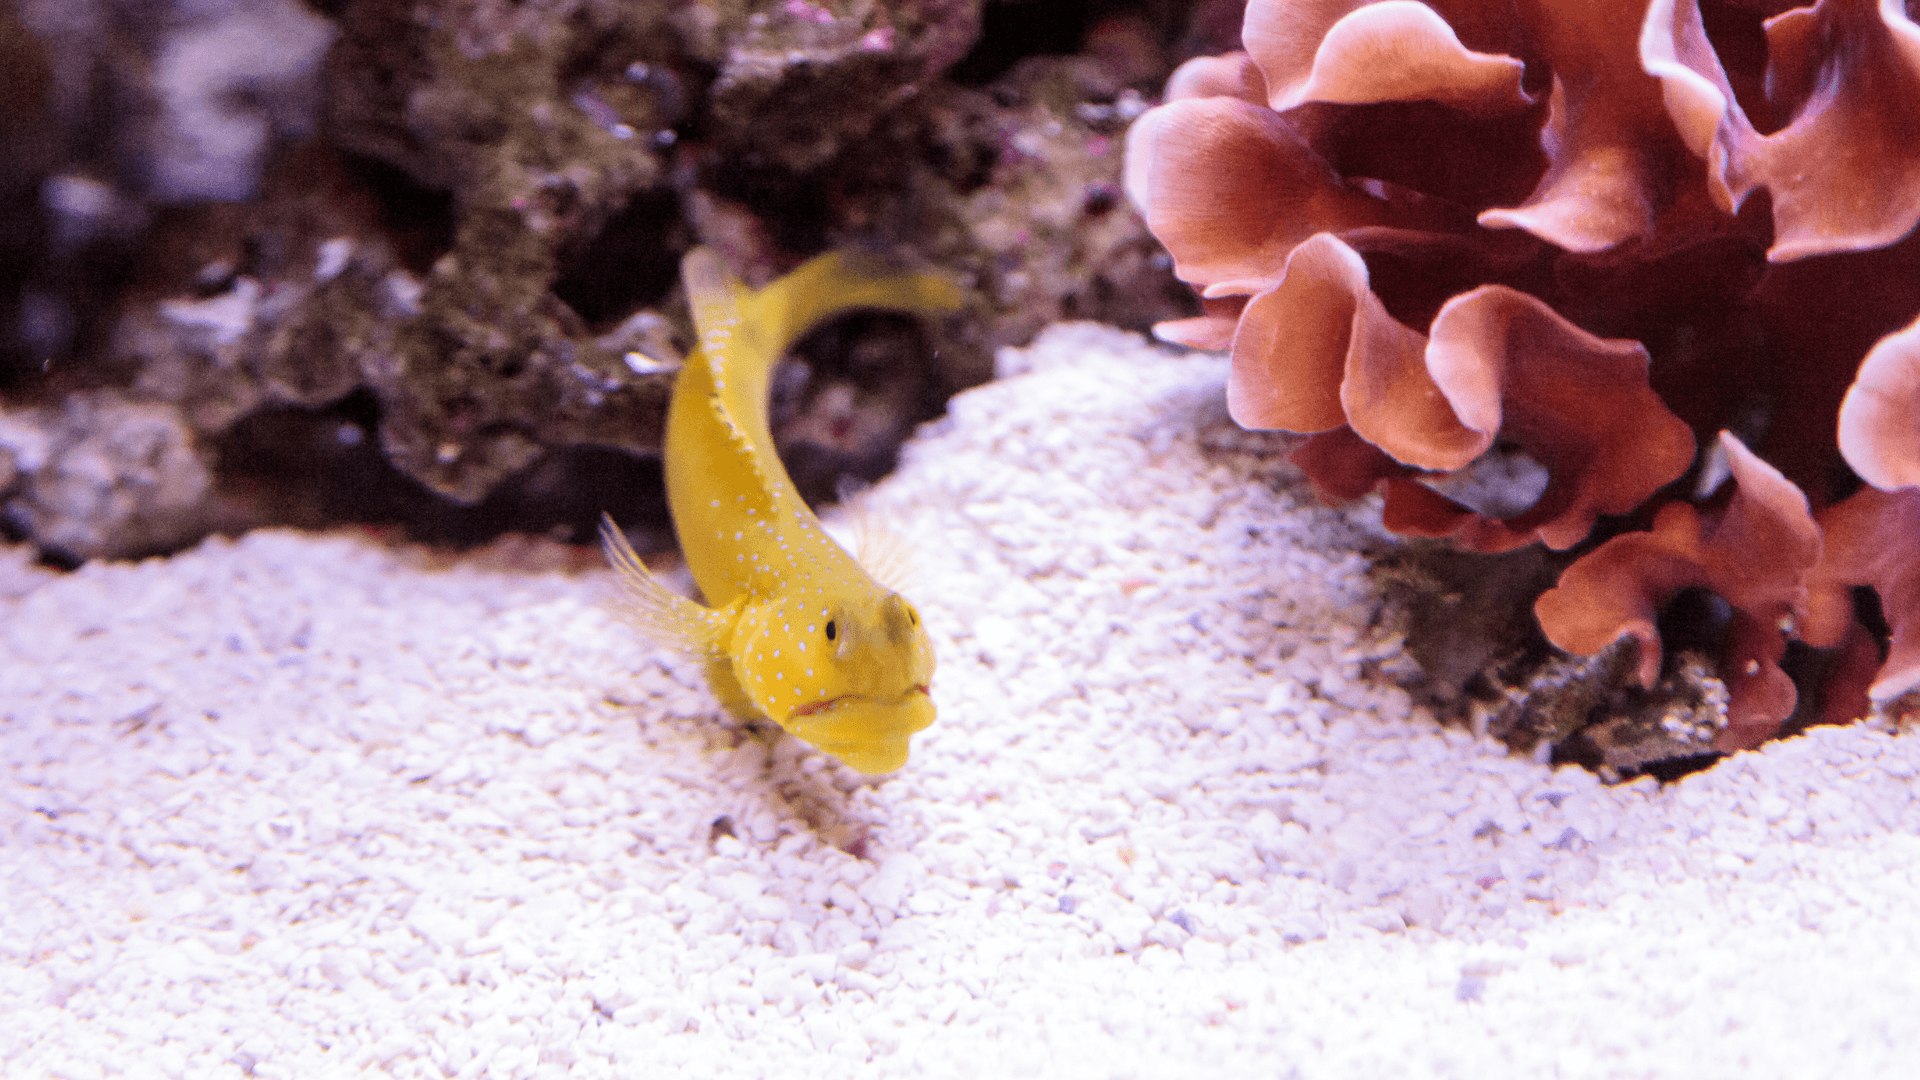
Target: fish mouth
(869,734)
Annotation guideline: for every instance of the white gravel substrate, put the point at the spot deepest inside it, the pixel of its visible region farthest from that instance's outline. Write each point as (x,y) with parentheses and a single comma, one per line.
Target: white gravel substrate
(302,807)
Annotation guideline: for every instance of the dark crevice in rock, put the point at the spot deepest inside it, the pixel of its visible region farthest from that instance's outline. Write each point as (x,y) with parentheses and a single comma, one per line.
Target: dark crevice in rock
(315,468)
(1670,769)
(632,263)
(1117,30)
(418,221)
(849,393)
(1012,31)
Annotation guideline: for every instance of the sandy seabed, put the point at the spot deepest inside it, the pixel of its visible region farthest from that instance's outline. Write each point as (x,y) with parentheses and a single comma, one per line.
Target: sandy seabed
(304,807)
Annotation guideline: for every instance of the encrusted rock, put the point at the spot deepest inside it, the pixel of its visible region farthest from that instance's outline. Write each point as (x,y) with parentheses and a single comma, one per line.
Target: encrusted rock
(801,82)
(460,231)
(103,476)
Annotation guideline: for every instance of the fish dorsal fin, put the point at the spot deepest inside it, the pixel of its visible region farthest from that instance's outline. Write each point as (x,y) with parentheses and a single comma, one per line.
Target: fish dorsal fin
(730,347)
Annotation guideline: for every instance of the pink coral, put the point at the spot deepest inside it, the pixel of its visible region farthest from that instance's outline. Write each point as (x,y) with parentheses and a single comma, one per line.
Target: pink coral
(1873,539)
(1843,87)
(1755,551)
(1430,230)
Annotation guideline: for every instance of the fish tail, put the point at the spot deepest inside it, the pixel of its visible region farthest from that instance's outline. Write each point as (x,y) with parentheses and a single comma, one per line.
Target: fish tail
(838,282)
(758,325)
(658,613)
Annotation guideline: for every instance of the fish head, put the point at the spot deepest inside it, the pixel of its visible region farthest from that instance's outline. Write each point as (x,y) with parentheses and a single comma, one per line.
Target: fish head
(848,675)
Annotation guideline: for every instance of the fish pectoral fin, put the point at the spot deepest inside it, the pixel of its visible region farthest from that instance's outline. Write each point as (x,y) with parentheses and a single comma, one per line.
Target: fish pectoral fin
(661,615)
(884,554)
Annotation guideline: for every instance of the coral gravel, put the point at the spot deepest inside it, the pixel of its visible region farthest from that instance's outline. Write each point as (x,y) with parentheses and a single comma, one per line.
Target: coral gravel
(300,806)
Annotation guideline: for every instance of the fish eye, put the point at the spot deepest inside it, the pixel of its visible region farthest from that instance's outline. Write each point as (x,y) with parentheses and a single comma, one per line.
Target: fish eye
(831,630)
(913,616)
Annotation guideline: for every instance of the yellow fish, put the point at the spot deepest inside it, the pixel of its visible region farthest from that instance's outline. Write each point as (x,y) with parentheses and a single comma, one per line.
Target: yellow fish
(798,631)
